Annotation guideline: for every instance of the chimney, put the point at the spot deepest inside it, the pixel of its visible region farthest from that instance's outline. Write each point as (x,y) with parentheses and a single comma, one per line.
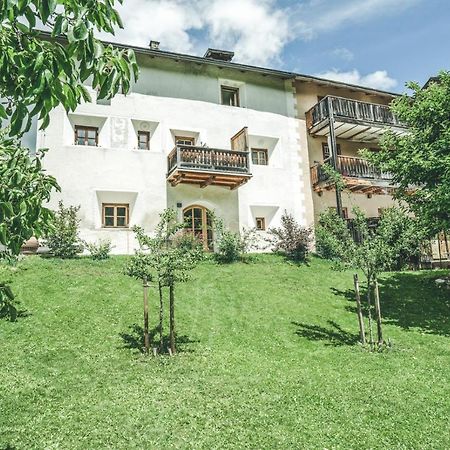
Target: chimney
(219,55)
(154,45)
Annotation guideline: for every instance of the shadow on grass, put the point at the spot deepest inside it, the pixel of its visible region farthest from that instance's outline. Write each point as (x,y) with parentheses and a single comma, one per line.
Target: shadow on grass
(134,340)
(410,300)
(335,335)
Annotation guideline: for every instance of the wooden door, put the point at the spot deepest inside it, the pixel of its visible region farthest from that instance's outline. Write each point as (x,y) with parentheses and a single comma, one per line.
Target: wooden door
(199,223)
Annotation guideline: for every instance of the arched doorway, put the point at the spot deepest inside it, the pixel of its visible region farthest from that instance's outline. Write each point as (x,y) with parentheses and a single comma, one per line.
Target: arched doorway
(198,221)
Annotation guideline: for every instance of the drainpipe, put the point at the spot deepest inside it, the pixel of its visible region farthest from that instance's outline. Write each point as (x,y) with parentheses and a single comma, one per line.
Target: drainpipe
(332,145)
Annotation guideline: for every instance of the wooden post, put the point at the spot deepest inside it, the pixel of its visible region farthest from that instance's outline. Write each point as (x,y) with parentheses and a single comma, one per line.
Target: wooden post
(378,312)
(362,334)
(161,317)
(146,336)
(369,307)
(332,145)
(172,320)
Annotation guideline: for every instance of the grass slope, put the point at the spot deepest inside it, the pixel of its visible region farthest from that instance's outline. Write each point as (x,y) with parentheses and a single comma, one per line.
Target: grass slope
(268,360)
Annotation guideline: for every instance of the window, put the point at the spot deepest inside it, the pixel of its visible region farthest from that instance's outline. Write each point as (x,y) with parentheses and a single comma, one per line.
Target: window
(344,211)
(86,135)
(326,150)
(115,216)
(260,223)
(260,156)
(230,95)
(144,140)
(182,140)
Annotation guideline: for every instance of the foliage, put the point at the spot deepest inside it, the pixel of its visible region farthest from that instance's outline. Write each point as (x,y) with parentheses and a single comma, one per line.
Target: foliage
(24,187)
(257,348)
(63,240)
(167,258)
(230,246)
(334,176)
(40,71)
(291,238)
(391,245)
(420,159)
(7,302)
(99,250)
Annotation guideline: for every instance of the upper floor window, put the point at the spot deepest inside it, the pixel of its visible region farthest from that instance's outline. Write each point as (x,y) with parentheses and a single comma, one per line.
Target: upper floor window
(144,140)
(326,150)
(115,215)
(183,140)
(229,95)
(260,156)
(86,135)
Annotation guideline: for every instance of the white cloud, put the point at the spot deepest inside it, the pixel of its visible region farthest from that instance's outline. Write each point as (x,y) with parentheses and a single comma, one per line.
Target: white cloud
(313,17)
(256,30)
(343,53)
(377,80)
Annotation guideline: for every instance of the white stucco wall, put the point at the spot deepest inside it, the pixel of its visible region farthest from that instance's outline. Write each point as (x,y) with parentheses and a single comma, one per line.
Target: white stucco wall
(116,172)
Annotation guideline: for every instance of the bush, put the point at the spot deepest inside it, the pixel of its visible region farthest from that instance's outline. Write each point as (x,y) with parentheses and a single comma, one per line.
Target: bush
(99,250)
(63,240)
(291,238)
(332,235)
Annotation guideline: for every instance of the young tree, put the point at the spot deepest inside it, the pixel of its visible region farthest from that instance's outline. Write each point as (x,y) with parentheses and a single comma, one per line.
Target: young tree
(389,246)
(167,257)
(420,160)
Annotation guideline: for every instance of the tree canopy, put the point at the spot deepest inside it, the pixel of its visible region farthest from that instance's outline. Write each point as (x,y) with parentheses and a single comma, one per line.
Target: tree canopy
(420,160)
(40,71)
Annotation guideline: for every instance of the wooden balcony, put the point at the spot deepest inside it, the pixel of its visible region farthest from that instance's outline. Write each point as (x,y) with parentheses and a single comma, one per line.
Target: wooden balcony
(359,176)
(206,166)
(352,120)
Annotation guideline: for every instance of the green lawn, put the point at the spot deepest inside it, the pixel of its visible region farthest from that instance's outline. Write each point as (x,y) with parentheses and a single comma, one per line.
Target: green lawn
(269,360)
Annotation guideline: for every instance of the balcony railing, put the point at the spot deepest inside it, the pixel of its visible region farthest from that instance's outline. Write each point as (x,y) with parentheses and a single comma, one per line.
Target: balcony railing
(345,109)
(204,159)
(349,167)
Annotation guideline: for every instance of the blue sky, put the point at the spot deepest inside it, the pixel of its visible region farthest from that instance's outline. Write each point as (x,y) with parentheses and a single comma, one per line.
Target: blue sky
(378,43)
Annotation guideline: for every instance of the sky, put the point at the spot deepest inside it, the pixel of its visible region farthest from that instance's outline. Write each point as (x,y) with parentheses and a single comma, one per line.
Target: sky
(376,43)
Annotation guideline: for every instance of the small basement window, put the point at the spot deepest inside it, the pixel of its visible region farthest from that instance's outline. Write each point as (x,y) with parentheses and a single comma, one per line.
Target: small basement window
(115,215)
(144,140)
(86,135)
(260,156)
(260,223)
(229,95)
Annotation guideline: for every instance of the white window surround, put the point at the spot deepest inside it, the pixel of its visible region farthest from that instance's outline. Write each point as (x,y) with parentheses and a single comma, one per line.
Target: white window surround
(114,197)
(240,85)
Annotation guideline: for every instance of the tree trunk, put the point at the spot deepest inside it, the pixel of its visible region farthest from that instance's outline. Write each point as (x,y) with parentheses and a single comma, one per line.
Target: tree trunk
(362,334)
(146,336)
(378,312)
(172,319)
(369,308)
(161,317)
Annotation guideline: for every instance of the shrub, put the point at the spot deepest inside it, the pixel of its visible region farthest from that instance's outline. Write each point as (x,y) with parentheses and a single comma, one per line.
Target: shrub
(99,250)
(291,238)
(231,246)
(332,235)
(63,240)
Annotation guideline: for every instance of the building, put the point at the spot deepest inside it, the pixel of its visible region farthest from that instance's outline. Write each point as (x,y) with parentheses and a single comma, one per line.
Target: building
(195,134)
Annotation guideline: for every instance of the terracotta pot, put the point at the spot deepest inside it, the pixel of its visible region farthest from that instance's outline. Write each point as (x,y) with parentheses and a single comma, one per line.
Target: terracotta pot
(30,247)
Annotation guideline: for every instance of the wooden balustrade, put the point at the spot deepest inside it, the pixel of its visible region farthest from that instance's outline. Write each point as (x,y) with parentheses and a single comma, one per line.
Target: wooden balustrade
(349,167)
(208,159)
(352,110)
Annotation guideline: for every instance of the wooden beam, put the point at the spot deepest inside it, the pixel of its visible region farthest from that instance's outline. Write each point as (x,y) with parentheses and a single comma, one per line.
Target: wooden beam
(208,181)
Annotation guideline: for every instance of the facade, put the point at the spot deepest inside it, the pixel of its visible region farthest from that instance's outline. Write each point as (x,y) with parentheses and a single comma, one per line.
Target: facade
(195,134)
(337,121)
(206,134)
